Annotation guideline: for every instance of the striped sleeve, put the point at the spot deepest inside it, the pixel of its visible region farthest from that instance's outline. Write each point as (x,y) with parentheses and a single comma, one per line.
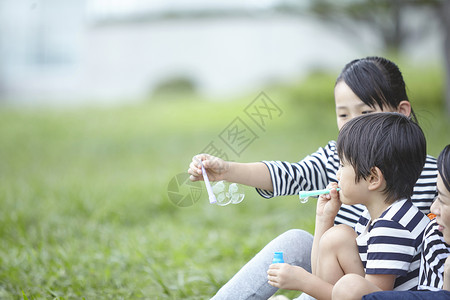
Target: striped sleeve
(311,173)
(435,252)
(425,188)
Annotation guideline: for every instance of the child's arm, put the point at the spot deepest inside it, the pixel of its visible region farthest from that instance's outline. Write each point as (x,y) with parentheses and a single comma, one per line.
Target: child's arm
(384,282)
(327,208)
(251,174)
(353,286)
(447,274)
(285,276)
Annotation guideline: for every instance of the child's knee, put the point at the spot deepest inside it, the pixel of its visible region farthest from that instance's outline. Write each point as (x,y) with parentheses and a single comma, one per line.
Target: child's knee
(337,236)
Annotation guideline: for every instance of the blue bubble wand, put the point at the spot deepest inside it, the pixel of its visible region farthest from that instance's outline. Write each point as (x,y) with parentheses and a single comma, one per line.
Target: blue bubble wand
(303,195)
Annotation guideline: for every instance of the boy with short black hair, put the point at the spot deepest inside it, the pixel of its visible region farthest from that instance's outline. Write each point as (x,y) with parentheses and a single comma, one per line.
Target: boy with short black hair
(434,279)
(382,156)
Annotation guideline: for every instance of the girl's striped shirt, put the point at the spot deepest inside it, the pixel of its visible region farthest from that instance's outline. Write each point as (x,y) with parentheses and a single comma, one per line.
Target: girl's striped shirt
(391,244)
(317,170)
(435,252)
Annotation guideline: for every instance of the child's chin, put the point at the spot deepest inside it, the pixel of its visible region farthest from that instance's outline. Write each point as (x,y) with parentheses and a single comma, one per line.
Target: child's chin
(345,201)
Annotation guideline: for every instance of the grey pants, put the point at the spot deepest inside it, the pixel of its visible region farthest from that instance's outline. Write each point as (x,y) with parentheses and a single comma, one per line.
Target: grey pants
(251,281)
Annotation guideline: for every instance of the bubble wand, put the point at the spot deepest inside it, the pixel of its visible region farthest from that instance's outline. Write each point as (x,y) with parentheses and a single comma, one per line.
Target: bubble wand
(212,197)
(303,195)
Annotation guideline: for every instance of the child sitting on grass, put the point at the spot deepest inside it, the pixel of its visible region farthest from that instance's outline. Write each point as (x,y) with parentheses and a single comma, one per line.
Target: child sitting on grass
(366,85)
(434,279)
(382,156)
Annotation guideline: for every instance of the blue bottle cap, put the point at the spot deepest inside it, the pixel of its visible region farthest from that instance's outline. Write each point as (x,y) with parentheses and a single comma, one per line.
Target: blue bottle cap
(278,258)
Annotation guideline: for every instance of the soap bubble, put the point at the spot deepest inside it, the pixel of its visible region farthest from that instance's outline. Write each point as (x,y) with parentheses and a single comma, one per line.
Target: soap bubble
(233,195)
(304,200)
(233,188)
(237,198)
(222,199)
(219,187)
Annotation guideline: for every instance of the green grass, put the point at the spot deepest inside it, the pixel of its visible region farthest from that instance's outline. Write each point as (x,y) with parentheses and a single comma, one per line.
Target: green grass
(83,192)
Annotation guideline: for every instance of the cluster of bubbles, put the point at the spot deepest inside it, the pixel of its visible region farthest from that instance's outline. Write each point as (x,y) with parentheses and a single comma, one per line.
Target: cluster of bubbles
(225,196)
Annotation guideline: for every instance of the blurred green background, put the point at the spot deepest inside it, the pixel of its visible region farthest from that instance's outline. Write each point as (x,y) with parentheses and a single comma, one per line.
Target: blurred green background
(84,206)
(104,103)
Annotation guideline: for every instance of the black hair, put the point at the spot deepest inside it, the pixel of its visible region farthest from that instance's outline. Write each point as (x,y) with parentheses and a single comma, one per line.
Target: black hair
(443,163)
(390,141)
(376,81)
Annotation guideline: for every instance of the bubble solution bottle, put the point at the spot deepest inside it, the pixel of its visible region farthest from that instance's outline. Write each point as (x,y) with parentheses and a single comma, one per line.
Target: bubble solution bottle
(278,258)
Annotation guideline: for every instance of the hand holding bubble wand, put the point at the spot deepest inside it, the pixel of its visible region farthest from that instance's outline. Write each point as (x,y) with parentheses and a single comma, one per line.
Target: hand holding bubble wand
(223,198)
(303,195)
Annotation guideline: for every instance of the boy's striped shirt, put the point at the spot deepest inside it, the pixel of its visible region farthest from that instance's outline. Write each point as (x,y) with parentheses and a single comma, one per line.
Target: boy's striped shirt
(435,252)
(391,244)
(317,170)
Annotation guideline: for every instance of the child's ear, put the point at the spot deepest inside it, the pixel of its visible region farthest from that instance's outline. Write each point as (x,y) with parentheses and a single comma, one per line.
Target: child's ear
(404,107)
(375,179)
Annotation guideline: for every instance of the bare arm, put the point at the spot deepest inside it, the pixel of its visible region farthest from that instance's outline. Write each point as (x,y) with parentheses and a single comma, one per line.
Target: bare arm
(321,227)
(384,282)
(251,174)
(327,209)
(354,286)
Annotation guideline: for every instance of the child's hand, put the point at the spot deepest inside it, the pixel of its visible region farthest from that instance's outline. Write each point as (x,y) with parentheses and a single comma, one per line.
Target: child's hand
(285,276)
(328,205)
(214,166)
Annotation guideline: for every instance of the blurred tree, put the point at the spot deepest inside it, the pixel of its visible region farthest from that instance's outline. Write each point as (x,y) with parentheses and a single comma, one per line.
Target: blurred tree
(175,87)
(382,16)
(387,17)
